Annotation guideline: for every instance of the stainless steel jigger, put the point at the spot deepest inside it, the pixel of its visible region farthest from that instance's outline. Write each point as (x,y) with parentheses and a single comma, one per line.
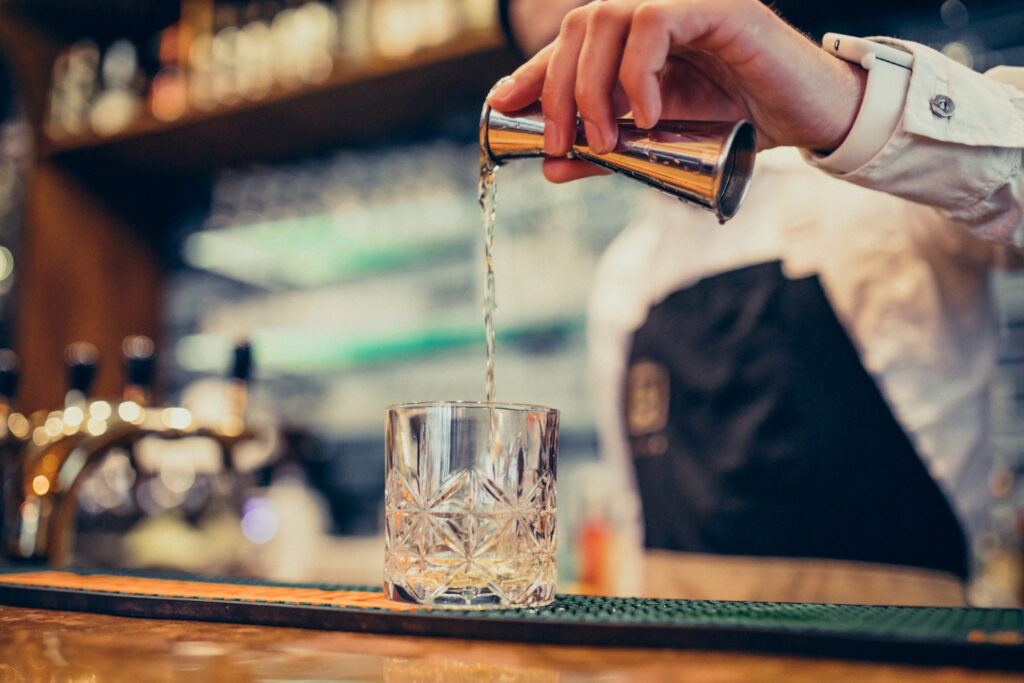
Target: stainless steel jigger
(707,163)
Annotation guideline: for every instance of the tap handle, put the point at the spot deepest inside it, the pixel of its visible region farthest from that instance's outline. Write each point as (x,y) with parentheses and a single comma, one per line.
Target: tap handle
(82,359)
(139,355)
(241,362)
(8,374)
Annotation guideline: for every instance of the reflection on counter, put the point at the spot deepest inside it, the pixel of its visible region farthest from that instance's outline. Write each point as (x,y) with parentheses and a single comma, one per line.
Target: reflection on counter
(96,647)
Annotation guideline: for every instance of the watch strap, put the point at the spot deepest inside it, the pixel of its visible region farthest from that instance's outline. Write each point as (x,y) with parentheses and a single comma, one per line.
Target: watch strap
(889,70)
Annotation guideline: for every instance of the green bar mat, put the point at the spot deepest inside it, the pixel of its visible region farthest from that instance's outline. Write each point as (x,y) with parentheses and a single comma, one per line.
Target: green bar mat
(972,637)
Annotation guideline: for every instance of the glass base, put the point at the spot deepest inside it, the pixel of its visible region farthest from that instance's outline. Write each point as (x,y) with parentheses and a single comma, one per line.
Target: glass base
(469,597)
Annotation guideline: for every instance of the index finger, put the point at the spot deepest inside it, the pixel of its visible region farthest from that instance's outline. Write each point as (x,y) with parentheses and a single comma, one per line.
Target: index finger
(524,85)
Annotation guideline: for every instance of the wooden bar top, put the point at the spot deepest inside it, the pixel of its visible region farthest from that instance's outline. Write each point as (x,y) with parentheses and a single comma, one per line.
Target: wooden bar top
(49,645)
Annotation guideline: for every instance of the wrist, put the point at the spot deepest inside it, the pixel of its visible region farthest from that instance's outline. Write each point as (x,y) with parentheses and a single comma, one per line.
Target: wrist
(882,97)
(853,82)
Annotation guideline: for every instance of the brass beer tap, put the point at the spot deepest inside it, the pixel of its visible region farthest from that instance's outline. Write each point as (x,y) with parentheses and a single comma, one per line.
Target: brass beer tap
(64,447)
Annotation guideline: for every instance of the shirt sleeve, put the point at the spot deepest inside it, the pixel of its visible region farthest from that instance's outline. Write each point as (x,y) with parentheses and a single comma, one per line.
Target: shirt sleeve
(958,146)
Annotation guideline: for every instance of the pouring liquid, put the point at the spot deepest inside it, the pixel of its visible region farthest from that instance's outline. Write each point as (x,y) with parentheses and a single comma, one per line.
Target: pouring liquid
(487,192)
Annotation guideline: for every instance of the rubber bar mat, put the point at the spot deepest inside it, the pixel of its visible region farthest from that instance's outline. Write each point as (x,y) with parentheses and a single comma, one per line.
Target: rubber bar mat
(973,637)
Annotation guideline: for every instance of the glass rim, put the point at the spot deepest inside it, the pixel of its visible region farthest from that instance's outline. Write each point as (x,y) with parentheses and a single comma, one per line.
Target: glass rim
(498,405)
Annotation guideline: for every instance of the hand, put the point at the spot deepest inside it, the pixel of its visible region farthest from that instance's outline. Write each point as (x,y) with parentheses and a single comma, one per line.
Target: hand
(682,59)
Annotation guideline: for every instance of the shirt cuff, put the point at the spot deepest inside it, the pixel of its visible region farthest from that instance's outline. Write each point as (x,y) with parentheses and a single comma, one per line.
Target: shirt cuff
(889,70)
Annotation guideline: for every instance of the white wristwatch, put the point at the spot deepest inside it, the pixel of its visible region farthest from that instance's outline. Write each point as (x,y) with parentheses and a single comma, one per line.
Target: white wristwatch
(889,70)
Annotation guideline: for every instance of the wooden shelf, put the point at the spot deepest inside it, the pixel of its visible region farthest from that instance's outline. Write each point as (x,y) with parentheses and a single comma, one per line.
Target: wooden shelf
(355,103)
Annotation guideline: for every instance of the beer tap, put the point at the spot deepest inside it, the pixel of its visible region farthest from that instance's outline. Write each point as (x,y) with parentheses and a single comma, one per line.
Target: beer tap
(65,446)
(14,433)
(53,457)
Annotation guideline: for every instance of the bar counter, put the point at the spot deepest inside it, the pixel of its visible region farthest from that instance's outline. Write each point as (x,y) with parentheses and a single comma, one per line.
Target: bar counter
(50,645)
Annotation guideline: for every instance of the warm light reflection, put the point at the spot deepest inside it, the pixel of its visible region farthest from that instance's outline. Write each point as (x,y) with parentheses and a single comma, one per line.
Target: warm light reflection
(169,98)
(117,472)
(177,474)
(53,426)
(70,470)
(39,436)
(50,462)
(41,485)
(73,416)
(18,425)
(100,410)
(30,516)
(96,426)
(154,497)
(176,418)
(130,411)
(232,425)
(6,263)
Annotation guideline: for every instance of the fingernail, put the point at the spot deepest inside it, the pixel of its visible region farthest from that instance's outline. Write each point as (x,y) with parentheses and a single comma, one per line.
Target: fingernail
(595,138)
(501,88)
(613,141)
(637,114)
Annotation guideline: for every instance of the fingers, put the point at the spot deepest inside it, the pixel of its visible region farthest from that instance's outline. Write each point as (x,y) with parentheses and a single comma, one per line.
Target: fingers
(564,170)
(557,96)
(604,45)
(598,70)
(646,50)
(730,31)
(578,72)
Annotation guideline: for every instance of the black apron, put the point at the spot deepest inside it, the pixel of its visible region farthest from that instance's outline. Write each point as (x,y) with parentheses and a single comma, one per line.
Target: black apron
(756,430)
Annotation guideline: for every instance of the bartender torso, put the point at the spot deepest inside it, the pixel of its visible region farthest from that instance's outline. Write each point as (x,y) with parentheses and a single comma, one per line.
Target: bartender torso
(807,381)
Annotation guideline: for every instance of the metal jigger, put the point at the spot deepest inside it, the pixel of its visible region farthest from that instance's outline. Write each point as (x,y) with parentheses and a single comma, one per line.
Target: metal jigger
(708,163)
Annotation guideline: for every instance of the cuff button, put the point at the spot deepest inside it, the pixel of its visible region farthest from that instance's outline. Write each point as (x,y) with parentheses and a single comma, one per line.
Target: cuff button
(942,106)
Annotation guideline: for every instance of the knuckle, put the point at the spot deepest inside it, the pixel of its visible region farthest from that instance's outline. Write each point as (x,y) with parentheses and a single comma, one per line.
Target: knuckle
(601,15)
(575,20)
(650,14)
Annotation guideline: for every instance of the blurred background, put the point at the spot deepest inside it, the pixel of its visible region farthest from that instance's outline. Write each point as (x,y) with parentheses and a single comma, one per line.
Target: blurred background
(281,195)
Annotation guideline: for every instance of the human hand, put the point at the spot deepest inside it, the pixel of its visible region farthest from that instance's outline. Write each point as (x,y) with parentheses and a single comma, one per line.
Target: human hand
(682,59)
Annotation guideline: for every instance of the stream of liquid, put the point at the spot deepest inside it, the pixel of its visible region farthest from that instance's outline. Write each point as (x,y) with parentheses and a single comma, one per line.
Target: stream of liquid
(487,192)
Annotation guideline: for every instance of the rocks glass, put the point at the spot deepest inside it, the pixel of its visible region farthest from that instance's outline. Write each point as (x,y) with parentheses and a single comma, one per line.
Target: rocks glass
(470,504)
